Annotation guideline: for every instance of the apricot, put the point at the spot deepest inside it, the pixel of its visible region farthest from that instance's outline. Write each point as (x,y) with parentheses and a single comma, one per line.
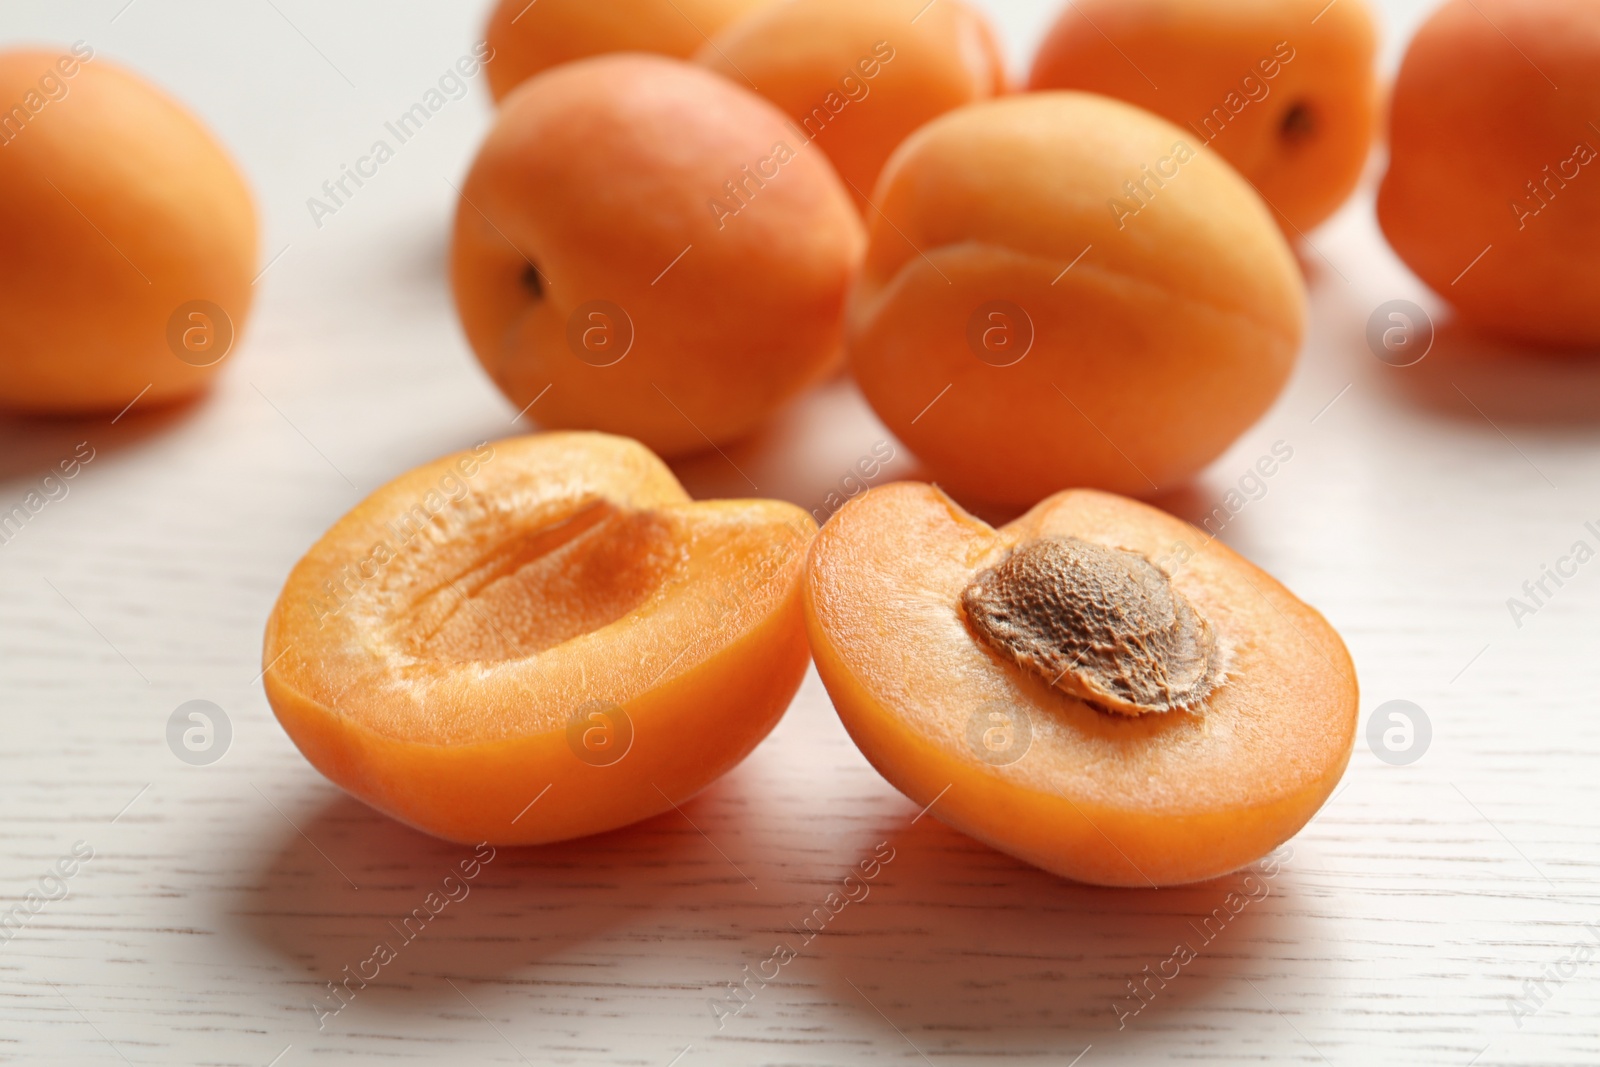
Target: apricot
(645,248)
(858,76)
(527,37)
(1060,291)
(1097,688)
(1285,90)
(550,612)
(129,239)
(1493,191)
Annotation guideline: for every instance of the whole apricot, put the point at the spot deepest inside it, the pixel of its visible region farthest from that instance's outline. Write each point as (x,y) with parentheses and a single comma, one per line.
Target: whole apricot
(127,239)
(1061,290)
(1097,688)
(529,36)
(538,639)
(858,76)
(1285,90)
(600,272)
(1493,191)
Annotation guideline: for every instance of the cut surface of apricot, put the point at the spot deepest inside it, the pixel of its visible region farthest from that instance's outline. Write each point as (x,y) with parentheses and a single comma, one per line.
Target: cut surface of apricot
(547,612)
(1097,688)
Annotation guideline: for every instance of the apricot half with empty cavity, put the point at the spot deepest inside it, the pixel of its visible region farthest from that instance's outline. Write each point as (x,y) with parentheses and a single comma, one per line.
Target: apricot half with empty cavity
(1097,688)
(539,639)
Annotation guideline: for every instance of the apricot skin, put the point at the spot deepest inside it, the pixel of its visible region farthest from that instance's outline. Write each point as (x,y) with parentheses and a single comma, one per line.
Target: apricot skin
(858,76)
(1473,122)
(1158,799)
(528,38)
(1162,328)
(1209,60)
(703,660)
(116,208)
(603,173)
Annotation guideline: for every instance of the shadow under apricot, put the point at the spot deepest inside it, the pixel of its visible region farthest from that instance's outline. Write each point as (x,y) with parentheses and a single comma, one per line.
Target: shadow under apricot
(1470,375)
(355,879)
(969,951)
(33,446)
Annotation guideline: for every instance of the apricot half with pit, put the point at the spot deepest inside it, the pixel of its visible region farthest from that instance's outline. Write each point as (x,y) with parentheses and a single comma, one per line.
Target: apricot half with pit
(539,639)
(1097,688)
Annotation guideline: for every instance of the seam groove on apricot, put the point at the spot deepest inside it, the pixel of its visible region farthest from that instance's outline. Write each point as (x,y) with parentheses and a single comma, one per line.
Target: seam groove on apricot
(1103,624)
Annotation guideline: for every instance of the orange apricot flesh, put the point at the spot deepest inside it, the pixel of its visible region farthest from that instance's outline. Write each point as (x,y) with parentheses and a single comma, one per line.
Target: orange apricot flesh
(858,76)
(550,612)
(1061,779)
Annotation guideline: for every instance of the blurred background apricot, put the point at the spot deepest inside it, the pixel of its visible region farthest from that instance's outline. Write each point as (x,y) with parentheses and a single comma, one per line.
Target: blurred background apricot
(1493,191)
(1060,292)
(528,36)
(643,248)
(1285,90)
(858,76)
(127,239)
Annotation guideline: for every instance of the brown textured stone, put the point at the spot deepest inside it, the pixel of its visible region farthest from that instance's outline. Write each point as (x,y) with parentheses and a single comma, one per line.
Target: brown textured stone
(1101,623)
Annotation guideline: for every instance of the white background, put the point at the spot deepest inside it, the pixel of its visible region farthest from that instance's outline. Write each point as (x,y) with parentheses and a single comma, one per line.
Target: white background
(220,899)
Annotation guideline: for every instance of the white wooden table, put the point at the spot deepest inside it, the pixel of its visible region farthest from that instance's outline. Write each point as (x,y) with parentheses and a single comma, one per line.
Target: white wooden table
(220,901)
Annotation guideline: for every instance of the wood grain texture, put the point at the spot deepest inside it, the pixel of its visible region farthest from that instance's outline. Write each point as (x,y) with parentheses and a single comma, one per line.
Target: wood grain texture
(222,900)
